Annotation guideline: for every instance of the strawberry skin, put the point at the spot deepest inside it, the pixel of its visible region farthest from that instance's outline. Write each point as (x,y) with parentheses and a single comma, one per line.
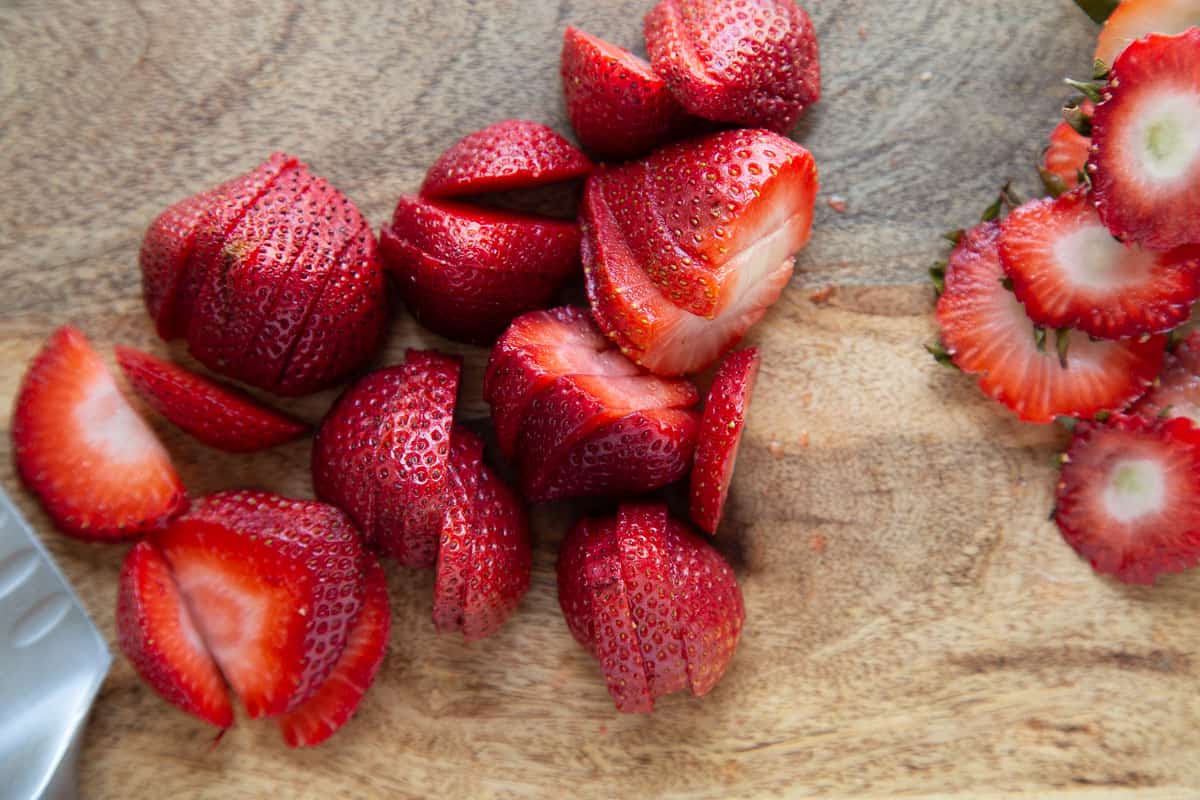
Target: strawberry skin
(1128,499)
(1067,154)
(617,105)
(1069,272)
(1133,19)
(216,414)
(456,546)
(987,333)
(1176,393)
(97,468)
(513,154)
(753,63)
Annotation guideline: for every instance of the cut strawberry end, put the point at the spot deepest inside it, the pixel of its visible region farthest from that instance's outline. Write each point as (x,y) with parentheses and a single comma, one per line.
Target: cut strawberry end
(502,559)
(1129,497)
(456,545)
(1067,154)
(1176,393)
(1133,19)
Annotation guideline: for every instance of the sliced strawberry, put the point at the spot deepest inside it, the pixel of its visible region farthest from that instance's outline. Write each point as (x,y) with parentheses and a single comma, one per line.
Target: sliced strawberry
(720,434)
(216,414)
(986,332)
(97,468)
(618,107)
(1176,393)
(1129,496)
(514,154)
(456,544)
(1145,158)
(1067,154)
(574,594)
(156,632)
(748,62)
(502,561)
(332,705)
(1069,272)
(1133,19)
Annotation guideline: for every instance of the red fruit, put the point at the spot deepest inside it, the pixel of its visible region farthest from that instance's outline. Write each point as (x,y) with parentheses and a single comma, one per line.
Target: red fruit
(618,107)
(986,332)
(752,63)
(1176,393)
(216,414)
(502,559)
(1129,496)
(97,468)
(1067,154)
(1133,19)
(514,154)
(455,544)
(720,434)
(156,632)
(1145,158)
(465,272)
(1069,272)
(321,715)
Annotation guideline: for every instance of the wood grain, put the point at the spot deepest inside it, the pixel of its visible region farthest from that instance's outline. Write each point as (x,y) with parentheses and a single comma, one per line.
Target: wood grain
(916,627)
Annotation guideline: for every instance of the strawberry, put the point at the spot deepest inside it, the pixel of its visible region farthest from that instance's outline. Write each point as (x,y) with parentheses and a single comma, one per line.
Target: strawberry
(336,700)
(1129,496)
(513,154)
(618,107)
(1145,157)
(156,632)
(986,332)
(752,63)
(1069,272)
(720,434)
(1176,393)
(465,272)
(97,468)
(1065,158)
(1133,19)
(455,543)
(216,414)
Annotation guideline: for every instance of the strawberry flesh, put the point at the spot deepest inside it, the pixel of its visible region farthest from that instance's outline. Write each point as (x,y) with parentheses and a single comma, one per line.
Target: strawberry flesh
(1176,393)
(720,434)
(1067,154)
(1133,19)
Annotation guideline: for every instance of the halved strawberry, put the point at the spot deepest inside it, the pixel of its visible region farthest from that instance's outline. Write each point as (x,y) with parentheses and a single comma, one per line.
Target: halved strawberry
(456,544)
(1145,160)
(1069,272)
(617,105)
(503,557)
(749,62)
(986,332)
(1133,19)
(1066,156)
(1129,496)
(332,705)
(97,468)
(216,414)
(156,633)
(720,434)
(1176,392)
(513,154)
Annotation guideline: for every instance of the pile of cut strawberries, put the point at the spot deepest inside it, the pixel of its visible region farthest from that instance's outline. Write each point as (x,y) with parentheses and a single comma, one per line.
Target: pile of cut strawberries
(1076,306)
(275,279)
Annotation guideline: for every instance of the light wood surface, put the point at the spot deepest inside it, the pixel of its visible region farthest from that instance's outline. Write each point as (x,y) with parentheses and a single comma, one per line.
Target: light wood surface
(915,626)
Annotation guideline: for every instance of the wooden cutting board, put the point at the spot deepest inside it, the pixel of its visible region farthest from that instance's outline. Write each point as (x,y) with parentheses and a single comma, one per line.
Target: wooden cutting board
(915,625)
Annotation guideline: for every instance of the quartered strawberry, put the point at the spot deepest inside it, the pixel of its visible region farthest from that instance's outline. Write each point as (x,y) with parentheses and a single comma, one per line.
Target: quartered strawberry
(1129,496)
(456,543)
(1133,19)
(156,632)
(749,62)
(332,705)
(97,468)
(216,414)
(986,332)
(1176,392)
(720,434)
(1069,272)
(514,154)
(1066,156)
(1145,158)
(617,105)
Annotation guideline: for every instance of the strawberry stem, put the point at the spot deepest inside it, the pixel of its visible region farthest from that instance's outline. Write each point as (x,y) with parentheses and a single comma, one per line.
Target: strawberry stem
(1039,338)
(1092,90)
(1098,10)
(1062,342)
(1053,184)
(1099,70)
(937,274)
(954,236)
(940,355)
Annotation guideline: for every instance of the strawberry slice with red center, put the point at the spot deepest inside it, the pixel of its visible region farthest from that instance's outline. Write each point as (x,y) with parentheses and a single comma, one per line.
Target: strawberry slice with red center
(720,434)
(97,468)
(216,414)
(1145,160)
(1040,377)
(1129,496)
(1069,272)
(1133,19)
(514,154)
(1066,156)
(1176,393)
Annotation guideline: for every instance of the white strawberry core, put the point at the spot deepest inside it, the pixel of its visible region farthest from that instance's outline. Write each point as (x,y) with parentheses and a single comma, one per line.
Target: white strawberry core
(1091,257)
(230,621)
(1166,136)
(1136,487)
(110,426)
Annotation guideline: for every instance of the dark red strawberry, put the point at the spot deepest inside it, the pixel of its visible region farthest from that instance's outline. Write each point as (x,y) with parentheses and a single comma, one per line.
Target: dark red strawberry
(1133,19)
(1065,158)
(1145,158)
(720,434)
(1176,393)
(97,468)
(752,63)
(514,154)
(216,414)
(1069,272)
(502,561)
(320,716)
(1040,376)
(618,107)
(156,633)
(1129,496)
(456,545)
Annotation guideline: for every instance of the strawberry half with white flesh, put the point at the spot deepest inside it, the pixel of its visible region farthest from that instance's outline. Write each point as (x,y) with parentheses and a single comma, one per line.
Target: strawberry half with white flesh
(1176,393)
(1069,272)
(986,332)
(1145,161)
(720,435)
(1133,19)
(1129,496)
